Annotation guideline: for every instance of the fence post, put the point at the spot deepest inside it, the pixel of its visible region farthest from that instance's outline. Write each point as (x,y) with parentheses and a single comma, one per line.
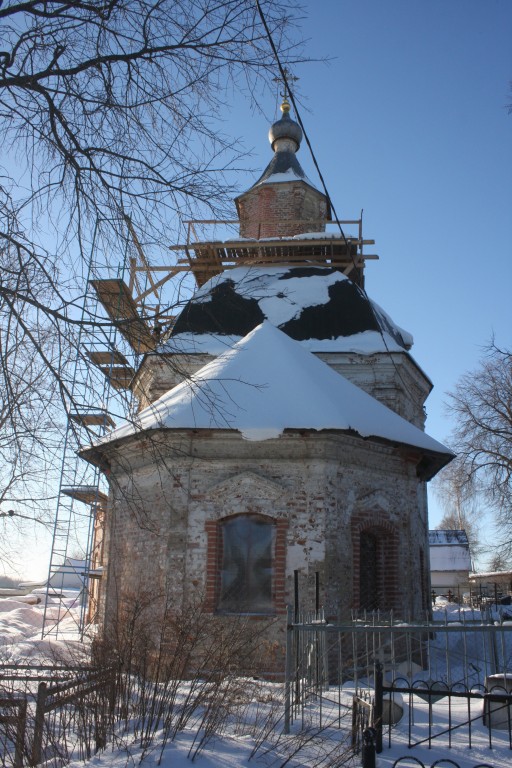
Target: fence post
(377,712)
(38,724)
(288,672)
(368,748)
(354,722)
(20,734)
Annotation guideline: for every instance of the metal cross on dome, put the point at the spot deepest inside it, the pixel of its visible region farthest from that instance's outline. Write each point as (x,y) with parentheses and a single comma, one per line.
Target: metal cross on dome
(288,78)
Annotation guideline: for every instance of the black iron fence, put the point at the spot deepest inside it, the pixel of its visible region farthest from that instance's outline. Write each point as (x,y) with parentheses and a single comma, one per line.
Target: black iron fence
(325,661)
(491,706)
(409,761)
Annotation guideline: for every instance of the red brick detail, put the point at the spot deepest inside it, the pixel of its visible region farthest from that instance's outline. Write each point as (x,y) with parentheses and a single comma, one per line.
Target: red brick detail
(281,210)
(214,558)
(280,566)
(390,593)
(212,565)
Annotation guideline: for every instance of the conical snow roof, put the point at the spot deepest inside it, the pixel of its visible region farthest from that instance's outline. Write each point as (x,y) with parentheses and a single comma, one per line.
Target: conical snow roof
(268,383)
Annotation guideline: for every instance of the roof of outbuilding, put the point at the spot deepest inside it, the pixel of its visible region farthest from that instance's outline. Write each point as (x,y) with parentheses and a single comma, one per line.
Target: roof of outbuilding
(444,537)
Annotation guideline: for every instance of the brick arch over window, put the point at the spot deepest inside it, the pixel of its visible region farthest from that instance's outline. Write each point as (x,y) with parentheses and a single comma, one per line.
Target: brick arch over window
(375,564)
(265,552)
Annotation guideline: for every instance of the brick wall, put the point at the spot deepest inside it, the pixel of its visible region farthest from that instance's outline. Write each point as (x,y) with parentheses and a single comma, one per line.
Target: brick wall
(171,489)
(281,210)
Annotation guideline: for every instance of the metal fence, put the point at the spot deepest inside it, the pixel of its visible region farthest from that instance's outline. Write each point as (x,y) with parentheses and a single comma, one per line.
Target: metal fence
(413,762)
(491,705)
(326,661)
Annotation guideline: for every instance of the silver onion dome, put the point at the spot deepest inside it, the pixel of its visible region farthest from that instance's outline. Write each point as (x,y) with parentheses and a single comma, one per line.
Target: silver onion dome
(285,134)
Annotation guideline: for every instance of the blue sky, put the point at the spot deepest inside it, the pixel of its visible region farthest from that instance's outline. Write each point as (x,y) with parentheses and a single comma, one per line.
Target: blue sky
(409,122)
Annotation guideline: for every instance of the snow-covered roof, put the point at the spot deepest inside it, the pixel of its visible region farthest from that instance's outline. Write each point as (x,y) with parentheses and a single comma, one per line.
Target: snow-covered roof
(268,383)
(318,306)
(490,575)
(445,537)
(365,343)
(292,173)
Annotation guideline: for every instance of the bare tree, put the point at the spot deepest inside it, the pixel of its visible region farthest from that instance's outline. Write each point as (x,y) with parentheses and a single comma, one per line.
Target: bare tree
(30,422)
(458,497)
(108,109)
(499,562)
(482,406)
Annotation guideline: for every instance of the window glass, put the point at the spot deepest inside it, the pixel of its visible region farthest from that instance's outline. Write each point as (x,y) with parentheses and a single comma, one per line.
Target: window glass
(247,565)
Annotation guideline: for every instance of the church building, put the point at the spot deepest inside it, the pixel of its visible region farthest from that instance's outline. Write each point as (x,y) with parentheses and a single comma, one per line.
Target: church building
(280,435)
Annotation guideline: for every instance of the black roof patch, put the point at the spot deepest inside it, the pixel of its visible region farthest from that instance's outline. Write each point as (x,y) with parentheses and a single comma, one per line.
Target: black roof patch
(234,307)
(226,312)
(307,272)
(347,312)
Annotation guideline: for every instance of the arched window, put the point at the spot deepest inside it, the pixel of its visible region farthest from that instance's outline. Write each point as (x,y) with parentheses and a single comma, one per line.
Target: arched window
(247,546)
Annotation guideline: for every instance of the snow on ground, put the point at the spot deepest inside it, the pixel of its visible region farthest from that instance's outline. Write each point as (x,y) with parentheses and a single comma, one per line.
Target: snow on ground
(21,627)
(20,632)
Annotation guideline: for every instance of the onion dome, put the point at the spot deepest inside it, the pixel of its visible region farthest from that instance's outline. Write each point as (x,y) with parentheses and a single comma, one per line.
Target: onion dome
(285,134)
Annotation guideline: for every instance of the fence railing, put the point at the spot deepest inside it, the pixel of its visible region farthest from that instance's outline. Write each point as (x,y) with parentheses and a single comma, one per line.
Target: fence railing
(490,705)
(323,660)
(53,713)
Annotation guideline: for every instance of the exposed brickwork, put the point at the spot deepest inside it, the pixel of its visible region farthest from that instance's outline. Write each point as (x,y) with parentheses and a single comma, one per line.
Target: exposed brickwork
(389,594)
(281,210)
(170,490)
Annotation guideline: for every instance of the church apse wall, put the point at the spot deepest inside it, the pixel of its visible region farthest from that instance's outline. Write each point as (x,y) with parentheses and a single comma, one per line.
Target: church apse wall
(302,502)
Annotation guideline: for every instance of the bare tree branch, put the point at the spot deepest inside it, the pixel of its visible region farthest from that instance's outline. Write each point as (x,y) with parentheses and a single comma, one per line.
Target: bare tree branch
(108,109)
(482,406)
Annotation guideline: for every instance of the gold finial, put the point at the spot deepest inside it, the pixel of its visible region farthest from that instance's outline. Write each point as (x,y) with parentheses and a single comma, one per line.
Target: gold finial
(285,106)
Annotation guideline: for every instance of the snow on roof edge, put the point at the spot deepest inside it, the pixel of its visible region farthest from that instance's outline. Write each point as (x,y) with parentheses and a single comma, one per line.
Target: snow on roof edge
(251,393)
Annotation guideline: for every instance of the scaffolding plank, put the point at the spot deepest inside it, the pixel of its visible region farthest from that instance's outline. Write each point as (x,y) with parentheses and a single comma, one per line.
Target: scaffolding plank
(120,375)
(92,418)
(209,258)
(120,306)
(106,357)
(89,494)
